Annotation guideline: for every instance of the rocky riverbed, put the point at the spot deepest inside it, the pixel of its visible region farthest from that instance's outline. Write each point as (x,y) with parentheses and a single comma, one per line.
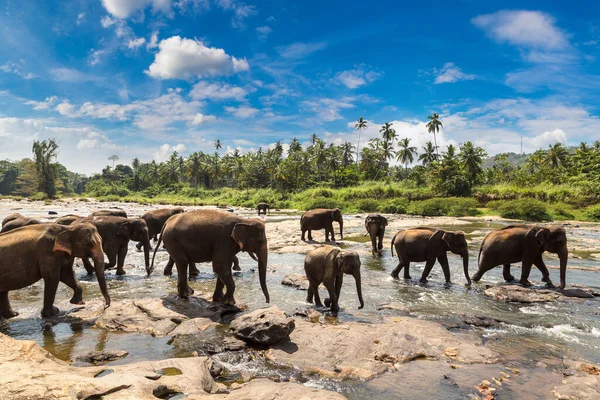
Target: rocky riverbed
(410,341)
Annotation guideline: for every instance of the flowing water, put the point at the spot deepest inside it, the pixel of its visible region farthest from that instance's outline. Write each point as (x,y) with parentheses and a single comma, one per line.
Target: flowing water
(531,337)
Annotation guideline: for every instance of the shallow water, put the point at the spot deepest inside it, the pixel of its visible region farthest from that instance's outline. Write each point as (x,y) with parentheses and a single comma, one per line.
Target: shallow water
(529,334)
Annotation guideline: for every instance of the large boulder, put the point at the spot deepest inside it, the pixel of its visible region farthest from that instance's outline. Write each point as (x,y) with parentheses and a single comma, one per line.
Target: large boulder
(266,389)
(299,281)
(520,294)
(265,326)
(584,382)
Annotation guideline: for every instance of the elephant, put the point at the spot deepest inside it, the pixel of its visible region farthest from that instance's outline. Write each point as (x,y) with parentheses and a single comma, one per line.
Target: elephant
(327,265)
(264,207)
(47,251)
(15,221)
(109,213)
(375,225)
(168,271)
(217,236)
(116,232)
(525,243)
(321,218)
(429,244)
(67,219)
(155,220)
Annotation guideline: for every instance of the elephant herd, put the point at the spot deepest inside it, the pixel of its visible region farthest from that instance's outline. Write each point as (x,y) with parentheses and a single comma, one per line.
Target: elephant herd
(31,250)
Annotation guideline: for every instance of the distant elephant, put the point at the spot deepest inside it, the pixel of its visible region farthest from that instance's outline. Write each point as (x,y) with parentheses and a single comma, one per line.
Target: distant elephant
(327,265)
(526,244)
(264,207)
(375,225)
(156,219)
(321,218)
(116,232)
(109,213)
(15,221)
(217,236)
(427,245)
(46,252)
(67,219)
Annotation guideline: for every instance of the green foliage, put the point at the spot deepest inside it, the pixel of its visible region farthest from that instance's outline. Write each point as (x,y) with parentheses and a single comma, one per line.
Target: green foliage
(367,205)
(45,153)
(451,206)
(320,202)
(593,213)
(525,209)
(394,206)
(562,212)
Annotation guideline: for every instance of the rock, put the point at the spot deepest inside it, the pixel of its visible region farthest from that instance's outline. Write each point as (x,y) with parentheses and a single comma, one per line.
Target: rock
(265,326)
(52,213)
(584,383)
(475,320)
(102,357)
(581,293)
(520,294)
(299,281)
(363,351)
(392,306)
(29,372)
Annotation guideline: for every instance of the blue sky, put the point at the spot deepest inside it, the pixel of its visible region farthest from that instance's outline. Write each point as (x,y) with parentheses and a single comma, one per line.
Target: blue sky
(146,77)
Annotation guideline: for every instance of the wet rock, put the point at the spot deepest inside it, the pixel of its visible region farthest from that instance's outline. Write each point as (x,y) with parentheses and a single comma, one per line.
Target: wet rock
(519,294)
(265,326)
(267,389)
(192,327)
(52,213)
(102,357)
(475,320)
(394,307)
(310,313)
(583,383)
(363,351)
(299,281)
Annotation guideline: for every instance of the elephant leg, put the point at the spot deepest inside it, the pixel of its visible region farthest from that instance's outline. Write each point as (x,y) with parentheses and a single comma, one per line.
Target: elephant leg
(506,273)
(338,286)
(6,310)
(112,260)
(314,291)
(218,294)
(484,266)
(310,235)
(168,271)
(428,267)
(236,264)
(373,244)
(539,263)
(183,288)
(138,246)
(332,300)
(309,295)
(194,270)
(525,271)
(227,278)
(332,234)
(380,244)
(88,266)
(51,276)
(67,276)
(303,232)
(121,259)
(443,260)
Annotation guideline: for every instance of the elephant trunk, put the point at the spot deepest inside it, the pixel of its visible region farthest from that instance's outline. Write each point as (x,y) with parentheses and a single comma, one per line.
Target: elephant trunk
(341,221)
(465,257)
(563,255)
(263,256)
(98,258)
(359,289)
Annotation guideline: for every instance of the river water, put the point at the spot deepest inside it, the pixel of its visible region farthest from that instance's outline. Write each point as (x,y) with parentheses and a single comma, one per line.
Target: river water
(530,337)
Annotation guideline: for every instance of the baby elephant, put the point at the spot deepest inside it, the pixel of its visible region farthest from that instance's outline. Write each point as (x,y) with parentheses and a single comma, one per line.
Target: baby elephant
(429,244)
(263,207)
(375,225)
(327,265)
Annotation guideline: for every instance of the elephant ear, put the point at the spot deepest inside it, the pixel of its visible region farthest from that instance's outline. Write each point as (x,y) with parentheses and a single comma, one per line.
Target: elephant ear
(125,230)
(240,234)
(440,237)
(64,242)
(384,221)
(542,236)
(339,260)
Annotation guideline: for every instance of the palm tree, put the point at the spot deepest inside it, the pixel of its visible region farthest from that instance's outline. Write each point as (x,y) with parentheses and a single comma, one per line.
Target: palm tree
(113,158)
(433,126)
(360,125)
(313,138)
(472,159)
(450,153)
(406,153)
(387,132)
(218,145)
(535,161)
(556,155)
(347,150)
(429,155)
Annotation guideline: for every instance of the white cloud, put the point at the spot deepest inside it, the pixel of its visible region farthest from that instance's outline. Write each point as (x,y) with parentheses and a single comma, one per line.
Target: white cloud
(242,111)
(95,55)
(532,29)
(67,109)
(300,50)
(69,75)
(200,119)
(547,138)
(153,43)
(94,141)
(359,76)
(43,105)
(240,11)
(80,18)
(327,110)
(263,31)
(450,73)
(188,58)
(107,21)
(17,68)
(136,43)
(126,8)
(165,151)
(217,91)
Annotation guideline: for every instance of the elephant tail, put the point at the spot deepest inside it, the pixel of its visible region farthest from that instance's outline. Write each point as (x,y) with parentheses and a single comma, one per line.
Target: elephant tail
(392,245)
(156,249)
(480,250)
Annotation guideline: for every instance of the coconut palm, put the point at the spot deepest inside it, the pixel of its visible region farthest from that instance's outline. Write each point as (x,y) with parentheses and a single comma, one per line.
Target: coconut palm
(535,161)
(471,158)
(387,132)
(218,145)
(347,150)
(429,155)
(406,153)
(433,126)
(556,156)
(359,126)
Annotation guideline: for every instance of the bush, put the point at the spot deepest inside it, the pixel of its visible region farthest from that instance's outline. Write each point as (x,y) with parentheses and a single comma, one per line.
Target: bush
(451,206)
(367,205)
(320,202)
(525,209)
(38,196)
(562,211)
(394,206)
(593,212)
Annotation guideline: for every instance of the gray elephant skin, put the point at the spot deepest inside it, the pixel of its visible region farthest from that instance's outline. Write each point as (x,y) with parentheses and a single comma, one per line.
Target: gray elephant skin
(17,220)
(215,236)
(375,225)
(526,244)
(263,208)
(428,245)
(321,218)
(155,220)
(109,213)
(47,251)
(327,265)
